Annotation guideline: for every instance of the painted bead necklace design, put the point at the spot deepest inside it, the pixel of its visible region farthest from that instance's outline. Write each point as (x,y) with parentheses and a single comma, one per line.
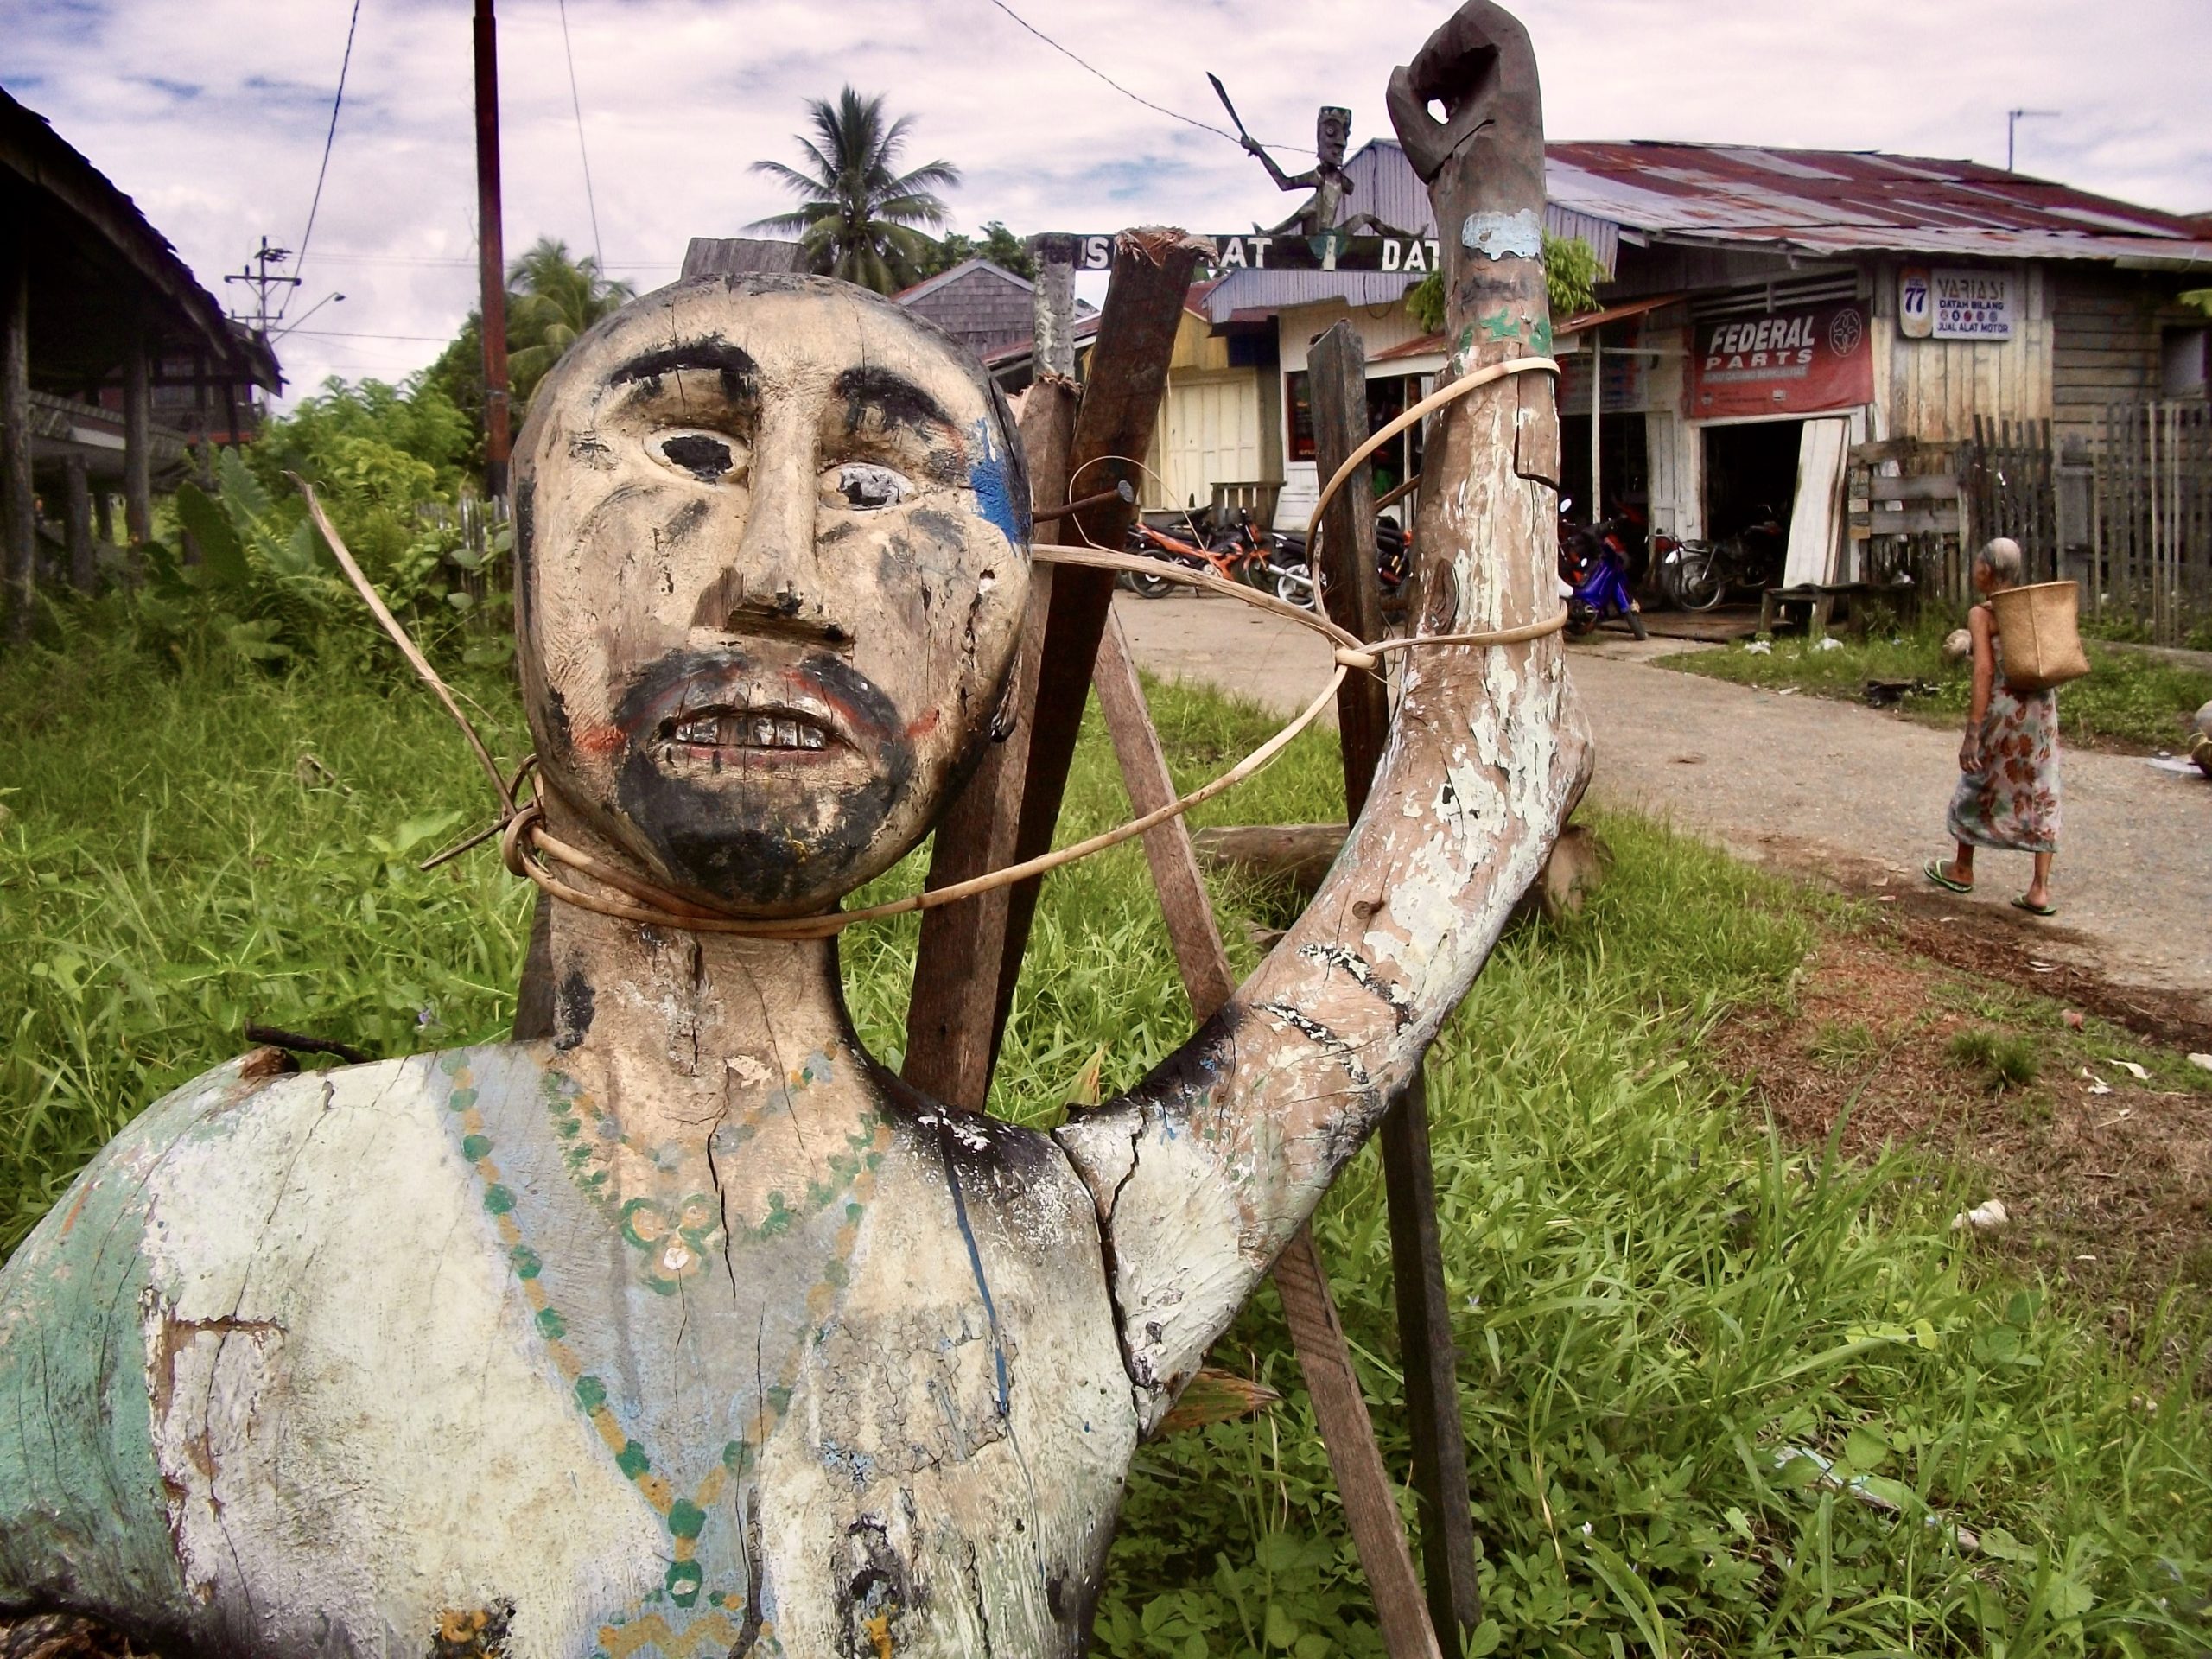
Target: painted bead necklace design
(670,1238)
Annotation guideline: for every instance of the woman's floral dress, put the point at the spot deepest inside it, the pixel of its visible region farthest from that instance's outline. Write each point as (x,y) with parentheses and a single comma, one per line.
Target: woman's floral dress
(2012,802)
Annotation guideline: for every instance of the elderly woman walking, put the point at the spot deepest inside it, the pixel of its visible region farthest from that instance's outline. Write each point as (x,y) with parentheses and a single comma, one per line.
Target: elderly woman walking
(2007,796)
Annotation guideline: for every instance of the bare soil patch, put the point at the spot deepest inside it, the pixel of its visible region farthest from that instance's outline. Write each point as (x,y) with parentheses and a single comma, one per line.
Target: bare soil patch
(2106,1176)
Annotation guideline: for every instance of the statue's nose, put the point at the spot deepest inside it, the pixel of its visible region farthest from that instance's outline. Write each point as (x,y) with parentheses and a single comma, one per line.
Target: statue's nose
(772,586)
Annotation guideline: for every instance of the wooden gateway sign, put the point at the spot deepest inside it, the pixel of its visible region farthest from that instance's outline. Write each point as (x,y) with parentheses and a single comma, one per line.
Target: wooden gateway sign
(686,1327)
(1414,256)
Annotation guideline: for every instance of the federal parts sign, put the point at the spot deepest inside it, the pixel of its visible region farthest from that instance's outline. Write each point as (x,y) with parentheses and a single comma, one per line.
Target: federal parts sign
(1806,361)
(1953,304)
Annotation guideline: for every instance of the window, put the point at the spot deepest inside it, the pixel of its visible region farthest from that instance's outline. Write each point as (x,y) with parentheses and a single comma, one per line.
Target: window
(2184,357)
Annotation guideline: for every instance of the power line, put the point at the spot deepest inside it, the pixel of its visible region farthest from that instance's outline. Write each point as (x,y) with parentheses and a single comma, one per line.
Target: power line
(329,139)
(575,103)
(1157,109)
(349,333)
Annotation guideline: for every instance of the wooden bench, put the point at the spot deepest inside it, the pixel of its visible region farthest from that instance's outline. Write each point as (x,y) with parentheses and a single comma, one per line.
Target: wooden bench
(1819,596)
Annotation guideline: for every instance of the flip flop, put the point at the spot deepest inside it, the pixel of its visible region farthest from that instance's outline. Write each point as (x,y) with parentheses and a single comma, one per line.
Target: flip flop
(2021,903)
(1933,869)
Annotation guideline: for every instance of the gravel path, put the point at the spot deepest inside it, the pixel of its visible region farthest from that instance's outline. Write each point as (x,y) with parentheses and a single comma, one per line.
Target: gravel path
(1817,785)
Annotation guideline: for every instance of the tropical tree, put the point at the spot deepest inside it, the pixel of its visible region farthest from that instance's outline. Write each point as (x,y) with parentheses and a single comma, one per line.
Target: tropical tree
(551,300)
(999,246)
(857,213)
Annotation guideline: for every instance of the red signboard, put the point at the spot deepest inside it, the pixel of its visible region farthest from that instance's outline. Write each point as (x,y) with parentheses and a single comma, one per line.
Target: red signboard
(1802,361)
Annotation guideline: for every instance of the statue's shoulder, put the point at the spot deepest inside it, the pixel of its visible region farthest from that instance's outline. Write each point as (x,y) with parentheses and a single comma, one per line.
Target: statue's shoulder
(256,1121)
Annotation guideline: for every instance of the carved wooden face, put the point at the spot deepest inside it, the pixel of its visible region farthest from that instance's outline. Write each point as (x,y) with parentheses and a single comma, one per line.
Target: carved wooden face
(1332,132)
(771,557)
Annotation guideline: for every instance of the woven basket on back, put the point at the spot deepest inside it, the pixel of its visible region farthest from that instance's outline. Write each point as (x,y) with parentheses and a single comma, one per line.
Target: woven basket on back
(2042,635)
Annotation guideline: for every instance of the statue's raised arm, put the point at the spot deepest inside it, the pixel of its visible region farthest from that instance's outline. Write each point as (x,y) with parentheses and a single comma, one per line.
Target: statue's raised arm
(1203,1172)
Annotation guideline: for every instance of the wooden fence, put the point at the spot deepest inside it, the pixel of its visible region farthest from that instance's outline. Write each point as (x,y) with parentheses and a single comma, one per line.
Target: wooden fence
(2007,479)
(2150,514)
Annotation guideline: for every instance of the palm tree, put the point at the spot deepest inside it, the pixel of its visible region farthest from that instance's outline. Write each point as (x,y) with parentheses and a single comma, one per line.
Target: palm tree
(551,300)
(856,213)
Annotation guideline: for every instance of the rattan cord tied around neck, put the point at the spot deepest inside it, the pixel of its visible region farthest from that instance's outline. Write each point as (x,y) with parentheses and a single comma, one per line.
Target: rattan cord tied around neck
(532,852)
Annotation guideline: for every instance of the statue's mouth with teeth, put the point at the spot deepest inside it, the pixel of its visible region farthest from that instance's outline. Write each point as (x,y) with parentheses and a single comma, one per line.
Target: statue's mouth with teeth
(756,729)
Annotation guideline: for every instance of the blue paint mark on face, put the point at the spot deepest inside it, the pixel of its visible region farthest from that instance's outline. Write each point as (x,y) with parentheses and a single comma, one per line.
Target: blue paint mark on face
(990,477)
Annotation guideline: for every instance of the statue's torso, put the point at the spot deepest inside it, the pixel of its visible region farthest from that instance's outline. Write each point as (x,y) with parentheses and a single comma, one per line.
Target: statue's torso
(403,1343)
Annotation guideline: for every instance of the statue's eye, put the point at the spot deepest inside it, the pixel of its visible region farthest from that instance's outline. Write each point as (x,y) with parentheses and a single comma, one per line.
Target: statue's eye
(869,488)
(705,456)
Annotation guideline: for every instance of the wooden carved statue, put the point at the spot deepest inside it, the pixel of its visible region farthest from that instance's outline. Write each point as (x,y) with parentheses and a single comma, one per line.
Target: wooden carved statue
(691,1330)
(1326,179)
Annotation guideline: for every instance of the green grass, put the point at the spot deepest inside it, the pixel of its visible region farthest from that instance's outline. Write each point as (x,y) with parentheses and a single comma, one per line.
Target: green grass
(2130,697)
(2002,1061)
(1654,1302)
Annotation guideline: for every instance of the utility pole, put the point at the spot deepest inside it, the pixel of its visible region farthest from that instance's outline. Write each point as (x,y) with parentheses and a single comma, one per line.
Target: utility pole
(259,276)
(2012,119)
(491,252)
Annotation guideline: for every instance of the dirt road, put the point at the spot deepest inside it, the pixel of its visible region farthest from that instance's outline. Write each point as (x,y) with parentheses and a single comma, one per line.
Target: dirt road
(1823,787)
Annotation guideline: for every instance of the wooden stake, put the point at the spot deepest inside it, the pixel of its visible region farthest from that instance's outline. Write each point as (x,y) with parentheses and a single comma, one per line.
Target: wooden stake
(1354,599)
(1324,1356)
(1121,402)
(951,1008)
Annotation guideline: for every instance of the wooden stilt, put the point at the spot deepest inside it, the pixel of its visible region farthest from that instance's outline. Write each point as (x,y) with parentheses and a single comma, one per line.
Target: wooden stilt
(77,514)
(18,534)
(1338,370)
(137,441)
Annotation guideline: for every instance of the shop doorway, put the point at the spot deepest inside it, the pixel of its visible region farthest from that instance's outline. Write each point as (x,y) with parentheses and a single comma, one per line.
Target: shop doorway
(1751,474)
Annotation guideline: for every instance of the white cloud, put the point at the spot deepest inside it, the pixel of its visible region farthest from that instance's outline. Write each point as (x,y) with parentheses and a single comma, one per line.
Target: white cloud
(213,115)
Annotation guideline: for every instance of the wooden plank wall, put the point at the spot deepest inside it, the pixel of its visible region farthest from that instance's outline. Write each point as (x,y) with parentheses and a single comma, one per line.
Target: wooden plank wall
(2108,348)
(1933,390)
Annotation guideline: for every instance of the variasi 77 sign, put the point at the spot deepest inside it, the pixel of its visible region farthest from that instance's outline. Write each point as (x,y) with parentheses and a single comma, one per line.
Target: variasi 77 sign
(1955,304)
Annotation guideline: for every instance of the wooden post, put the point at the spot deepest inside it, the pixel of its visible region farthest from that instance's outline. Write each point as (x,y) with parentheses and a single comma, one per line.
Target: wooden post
(18,535)
(1350,589)
(1052,346)
(1354,600)
(137,442)
(1324,1356)
(951,1026)
(1121,402)
(77,512)
(492,273)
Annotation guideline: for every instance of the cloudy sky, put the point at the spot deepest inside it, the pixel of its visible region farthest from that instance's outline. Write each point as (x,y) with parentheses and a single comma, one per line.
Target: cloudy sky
(213,115)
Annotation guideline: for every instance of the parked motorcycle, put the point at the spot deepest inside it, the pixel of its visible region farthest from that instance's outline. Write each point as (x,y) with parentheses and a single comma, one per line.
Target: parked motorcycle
(1698,575)
(1594,565)
(1237,551)
(1293,563)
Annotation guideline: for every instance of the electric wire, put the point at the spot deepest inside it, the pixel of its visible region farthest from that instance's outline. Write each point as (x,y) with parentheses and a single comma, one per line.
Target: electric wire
(598,254)
(323,172)
(1157,109)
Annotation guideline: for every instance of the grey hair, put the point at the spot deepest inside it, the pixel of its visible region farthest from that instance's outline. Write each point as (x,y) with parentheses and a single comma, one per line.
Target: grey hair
(2002,555)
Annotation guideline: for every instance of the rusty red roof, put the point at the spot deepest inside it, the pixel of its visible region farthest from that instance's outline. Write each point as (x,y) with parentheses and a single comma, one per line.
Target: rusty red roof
(1837,201)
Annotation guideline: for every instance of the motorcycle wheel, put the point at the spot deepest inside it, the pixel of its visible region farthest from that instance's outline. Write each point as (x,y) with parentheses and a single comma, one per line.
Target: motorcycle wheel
(1635,626)
(1697,581)
(1295,585)
(1148,586)
(1580,618)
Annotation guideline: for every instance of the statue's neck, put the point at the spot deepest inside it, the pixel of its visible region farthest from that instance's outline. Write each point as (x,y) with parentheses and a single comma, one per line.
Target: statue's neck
(683,1031)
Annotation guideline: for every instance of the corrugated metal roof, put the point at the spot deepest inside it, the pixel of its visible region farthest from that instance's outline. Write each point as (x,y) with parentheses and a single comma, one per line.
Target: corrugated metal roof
(1383,183)
(1826,201)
